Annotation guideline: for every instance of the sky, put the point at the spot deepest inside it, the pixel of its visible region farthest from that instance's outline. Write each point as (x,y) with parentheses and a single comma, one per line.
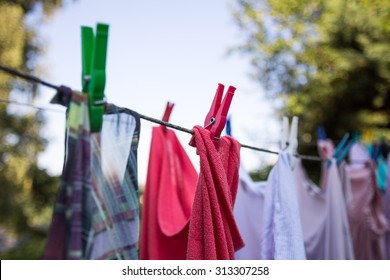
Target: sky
(158,51)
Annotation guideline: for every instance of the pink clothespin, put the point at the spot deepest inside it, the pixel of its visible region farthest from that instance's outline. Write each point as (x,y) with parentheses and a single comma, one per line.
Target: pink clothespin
(167,113)
(216,118)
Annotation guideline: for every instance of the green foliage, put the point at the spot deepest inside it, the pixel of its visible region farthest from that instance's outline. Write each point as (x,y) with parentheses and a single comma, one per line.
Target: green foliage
(261,174)
(27,192)
(29,247)
(329,60)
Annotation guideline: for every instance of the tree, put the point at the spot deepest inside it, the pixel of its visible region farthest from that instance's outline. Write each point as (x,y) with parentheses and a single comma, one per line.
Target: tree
(26,192)
(328,60)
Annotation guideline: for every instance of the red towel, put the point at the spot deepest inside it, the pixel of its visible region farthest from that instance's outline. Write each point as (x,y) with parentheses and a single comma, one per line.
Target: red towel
(169,194)
(213,233)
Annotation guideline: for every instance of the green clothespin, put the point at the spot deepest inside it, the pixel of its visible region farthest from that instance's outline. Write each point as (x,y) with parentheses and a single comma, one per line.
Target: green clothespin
(94,53)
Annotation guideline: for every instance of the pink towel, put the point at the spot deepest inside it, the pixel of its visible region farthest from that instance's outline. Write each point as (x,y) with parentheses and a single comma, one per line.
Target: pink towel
(169,194)
(213,233)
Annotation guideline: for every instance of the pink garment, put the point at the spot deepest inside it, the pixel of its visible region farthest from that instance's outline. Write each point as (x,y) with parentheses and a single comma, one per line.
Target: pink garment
(366,217)
(387,207)
(213,233)
(169,194)
(323,211)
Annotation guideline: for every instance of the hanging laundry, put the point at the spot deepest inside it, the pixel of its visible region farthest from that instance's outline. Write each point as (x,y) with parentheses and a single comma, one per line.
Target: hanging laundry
(249,214)
(66,239)
(169,194)
(96,211)
(213,233)
(323,210)
(267,214)
(346,183)
(378,154)
(387,208)
(282,232)
(114,196)
(381,173)
(368,223)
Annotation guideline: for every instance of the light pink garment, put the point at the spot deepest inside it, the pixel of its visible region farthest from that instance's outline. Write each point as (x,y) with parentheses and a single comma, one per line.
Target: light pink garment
(387,207)
(366,217)
(323,211)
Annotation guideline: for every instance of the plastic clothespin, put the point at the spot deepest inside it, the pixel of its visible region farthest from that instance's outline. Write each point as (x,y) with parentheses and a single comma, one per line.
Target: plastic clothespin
(293,138)
(343,153)
(94,54)
(356,136)
(321,134)
(341,150)
(289,141)
(229,126)
(293,141)
(216,118)
(167,113)
(285,134)
(342,144)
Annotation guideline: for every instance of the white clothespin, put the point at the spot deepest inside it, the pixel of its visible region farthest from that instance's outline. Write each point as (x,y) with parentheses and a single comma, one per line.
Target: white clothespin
(293,141)
(289,140)
(284,140)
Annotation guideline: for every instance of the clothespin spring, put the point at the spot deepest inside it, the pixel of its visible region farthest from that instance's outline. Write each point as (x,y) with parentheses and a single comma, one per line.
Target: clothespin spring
(212,120)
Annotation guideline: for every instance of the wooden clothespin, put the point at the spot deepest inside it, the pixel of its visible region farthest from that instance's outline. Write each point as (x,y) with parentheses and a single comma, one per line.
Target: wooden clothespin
(216,118)
(94,54)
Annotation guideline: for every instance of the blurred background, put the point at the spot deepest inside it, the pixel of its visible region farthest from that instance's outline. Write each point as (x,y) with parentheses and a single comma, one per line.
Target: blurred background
(327,62)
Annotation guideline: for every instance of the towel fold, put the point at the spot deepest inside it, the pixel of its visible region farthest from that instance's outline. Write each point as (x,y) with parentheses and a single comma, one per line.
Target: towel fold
(213,233)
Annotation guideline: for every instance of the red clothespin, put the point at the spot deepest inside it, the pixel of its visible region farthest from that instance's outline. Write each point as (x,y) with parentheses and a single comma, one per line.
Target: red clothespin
(215,120)
(167,113)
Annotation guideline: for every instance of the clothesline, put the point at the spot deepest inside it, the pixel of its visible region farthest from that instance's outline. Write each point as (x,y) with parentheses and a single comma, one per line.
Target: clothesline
(34,79)
(29,105)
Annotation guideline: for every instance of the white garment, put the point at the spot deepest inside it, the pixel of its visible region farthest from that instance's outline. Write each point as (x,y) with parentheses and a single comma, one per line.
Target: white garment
(324,215)
(346,183)
(248,210)
(267,215)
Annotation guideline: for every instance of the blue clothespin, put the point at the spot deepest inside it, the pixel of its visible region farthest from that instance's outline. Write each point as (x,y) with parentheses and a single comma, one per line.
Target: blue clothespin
(343,153)
(356,136)
(228,126)
(321,133)
(342,149)
(94,54)
(342,144)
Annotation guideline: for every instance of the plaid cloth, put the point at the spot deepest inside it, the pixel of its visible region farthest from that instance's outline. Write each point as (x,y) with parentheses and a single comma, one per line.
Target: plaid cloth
(66,238)
(96,211)
(115,206)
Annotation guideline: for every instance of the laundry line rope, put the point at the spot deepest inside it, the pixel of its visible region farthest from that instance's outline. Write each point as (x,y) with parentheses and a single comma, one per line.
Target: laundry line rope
(37,80)
(29,105)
